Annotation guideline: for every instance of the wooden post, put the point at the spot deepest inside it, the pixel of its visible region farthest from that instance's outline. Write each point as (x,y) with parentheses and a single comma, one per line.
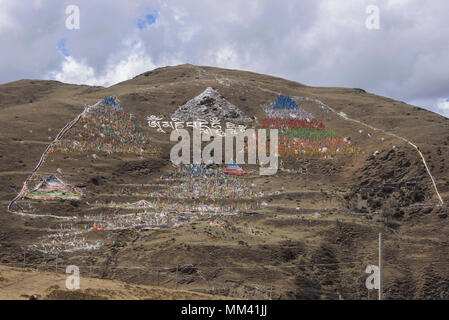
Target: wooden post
(176,280)
(24,257)
(380,266)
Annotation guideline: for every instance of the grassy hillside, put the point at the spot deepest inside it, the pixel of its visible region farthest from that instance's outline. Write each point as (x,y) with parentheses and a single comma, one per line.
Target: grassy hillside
(283,248)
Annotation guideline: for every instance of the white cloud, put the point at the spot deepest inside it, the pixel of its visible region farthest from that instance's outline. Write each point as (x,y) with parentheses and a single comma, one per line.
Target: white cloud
(79,72)
(443,105)
(6,22)
(37,4)
(224,57)
(316,42)
(74,71)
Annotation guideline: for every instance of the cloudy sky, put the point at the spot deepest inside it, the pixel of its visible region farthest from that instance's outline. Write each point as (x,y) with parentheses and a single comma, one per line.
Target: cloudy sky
(315,42)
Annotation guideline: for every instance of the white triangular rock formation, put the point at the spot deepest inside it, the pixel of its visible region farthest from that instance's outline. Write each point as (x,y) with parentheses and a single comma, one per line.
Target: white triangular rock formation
(208,105)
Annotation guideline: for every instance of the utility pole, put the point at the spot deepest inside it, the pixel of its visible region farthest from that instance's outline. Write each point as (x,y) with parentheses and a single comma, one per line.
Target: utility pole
(380,266)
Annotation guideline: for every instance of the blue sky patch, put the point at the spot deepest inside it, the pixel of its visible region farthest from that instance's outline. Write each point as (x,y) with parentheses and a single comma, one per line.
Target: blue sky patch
(148,20)
(63,48)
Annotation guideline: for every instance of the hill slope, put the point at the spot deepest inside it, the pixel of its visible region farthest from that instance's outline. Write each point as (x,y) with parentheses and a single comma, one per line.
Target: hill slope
(355,157)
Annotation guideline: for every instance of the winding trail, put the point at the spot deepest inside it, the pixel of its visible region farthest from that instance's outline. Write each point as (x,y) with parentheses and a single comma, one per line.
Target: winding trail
(345,117)
(227,82)
(59,136)
(72,123)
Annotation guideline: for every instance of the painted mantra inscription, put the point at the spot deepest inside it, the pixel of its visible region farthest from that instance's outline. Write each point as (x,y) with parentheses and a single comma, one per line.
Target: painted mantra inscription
(256,148)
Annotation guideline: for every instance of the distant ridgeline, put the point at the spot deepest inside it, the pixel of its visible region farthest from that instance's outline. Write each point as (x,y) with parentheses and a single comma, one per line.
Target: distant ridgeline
(106,127)
(300,133)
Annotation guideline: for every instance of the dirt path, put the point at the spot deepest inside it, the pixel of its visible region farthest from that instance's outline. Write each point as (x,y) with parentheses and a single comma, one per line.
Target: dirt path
(59,136)
(345,117)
